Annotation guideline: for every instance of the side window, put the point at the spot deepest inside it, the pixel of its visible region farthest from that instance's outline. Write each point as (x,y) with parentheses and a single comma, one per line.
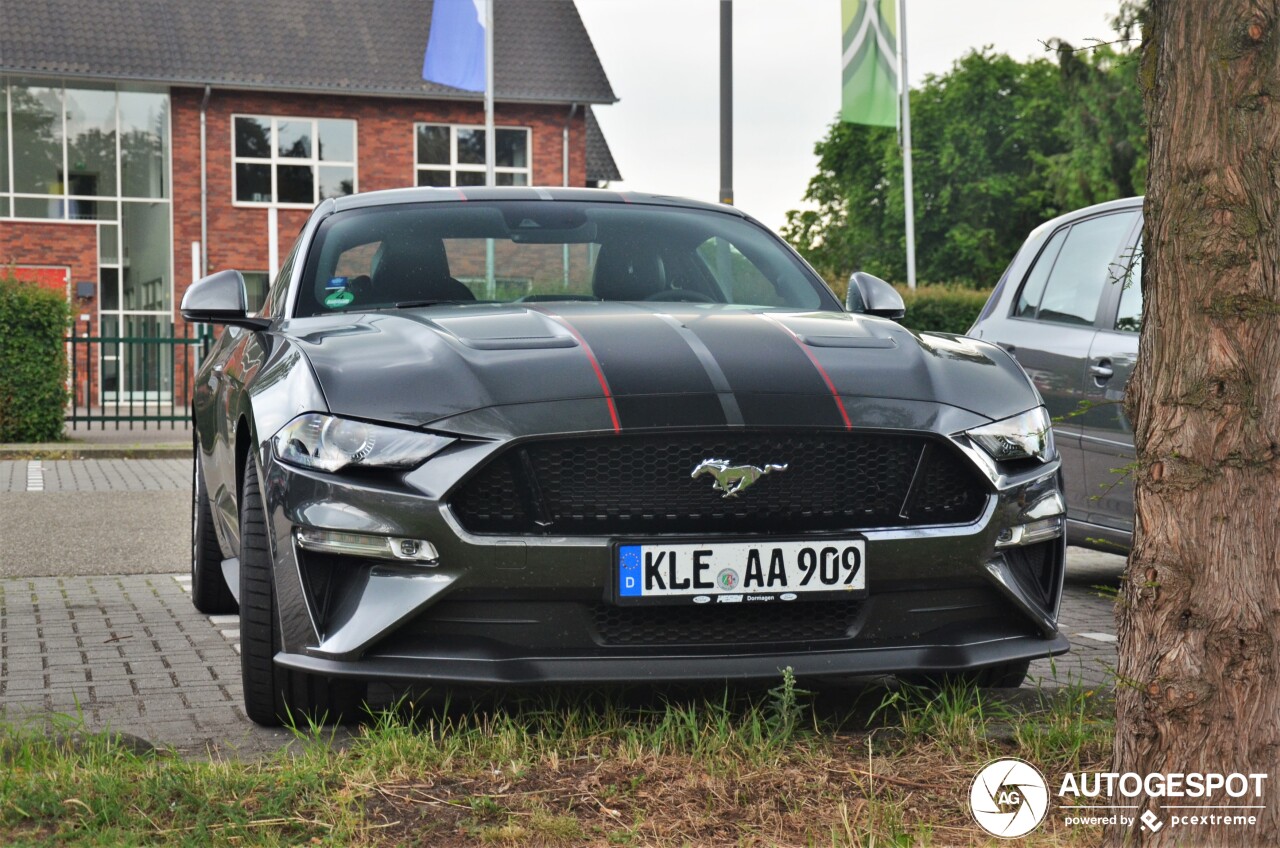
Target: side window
(275,291)
(1033,288)
(1129,317)
(255,285)
(1075,285)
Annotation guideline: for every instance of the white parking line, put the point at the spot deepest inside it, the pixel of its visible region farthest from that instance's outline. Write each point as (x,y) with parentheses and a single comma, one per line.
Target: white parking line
(35,476)
(1097,637)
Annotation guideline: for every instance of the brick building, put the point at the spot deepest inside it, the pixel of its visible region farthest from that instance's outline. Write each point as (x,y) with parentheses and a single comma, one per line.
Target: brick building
(145,143)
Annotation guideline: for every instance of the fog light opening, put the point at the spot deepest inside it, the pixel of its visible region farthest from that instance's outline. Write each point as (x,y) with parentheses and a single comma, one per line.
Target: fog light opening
(360,544)
(1030,533)
(415,550)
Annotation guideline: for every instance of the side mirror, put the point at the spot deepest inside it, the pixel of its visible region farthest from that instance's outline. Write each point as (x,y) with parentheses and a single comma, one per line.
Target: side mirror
(220,299)
(873,296)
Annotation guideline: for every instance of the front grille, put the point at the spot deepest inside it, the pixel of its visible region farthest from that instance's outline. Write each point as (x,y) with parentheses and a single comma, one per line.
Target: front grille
(731,624)
(641,485)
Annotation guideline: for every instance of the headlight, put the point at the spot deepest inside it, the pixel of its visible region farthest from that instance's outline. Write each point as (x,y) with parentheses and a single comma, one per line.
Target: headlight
(1025,436)
(327,443)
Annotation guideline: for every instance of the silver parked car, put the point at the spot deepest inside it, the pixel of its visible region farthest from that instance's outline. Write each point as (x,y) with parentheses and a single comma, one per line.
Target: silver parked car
(1069,308)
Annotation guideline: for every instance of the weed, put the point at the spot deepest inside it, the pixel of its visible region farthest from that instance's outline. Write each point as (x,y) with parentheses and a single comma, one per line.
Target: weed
(784,710)
(561,768)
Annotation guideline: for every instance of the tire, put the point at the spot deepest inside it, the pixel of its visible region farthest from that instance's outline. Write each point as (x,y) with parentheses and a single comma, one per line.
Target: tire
(274,695)
(1003,676)
(209,591)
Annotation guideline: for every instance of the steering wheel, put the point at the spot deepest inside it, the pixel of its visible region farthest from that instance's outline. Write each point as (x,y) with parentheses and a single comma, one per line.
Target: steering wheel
(682,295)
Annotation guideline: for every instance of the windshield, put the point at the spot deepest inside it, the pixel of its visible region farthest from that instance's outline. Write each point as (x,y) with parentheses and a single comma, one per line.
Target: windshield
(504,251)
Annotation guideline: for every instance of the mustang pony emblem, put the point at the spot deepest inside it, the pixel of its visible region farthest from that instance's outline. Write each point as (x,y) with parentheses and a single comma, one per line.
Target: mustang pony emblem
(732,479)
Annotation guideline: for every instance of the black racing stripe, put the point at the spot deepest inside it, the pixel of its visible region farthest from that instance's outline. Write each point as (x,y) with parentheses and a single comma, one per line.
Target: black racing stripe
(781,410)
(642,355)
(669,410)
(758,358)
(729,403)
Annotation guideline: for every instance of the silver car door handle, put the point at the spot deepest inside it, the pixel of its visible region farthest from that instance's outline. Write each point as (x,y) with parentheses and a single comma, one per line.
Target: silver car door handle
(1101,371)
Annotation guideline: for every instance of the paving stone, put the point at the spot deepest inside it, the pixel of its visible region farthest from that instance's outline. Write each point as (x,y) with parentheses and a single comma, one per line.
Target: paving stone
(172,676)
(114,475)
(13,475)
(48,629)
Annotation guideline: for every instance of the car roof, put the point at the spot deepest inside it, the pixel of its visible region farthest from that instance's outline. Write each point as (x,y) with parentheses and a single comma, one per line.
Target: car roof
(1085,212)
(389,197)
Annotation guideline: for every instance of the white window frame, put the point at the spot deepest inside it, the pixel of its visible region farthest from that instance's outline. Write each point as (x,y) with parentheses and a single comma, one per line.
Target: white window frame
(275,160)
(454,167)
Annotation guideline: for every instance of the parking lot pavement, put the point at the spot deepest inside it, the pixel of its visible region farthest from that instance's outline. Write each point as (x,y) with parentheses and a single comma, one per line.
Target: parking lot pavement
(94,516)
(125,653)
(96,618)
(131,654)
(1088,619)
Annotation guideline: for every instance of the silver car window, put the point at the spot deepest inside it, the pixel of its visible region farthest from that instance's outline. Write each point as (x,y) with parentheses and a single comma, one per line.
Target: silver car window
(1083,267)
(1033,288)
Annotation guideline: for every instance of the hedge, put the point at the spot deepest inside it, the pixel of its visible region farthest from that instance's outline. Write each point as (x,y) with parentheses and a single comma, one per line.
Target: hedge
(942,309)
(33,361)
(934,308)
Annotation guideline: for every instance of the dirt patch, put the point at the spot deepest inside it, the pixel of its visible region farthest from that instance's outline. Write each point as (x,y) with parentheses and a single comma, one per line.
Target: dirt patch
(837,791)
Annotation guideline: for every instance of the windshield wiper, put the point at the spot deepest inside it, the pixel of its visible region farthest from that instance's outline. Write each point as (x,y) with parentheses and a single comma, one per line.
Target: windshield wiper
(410,304)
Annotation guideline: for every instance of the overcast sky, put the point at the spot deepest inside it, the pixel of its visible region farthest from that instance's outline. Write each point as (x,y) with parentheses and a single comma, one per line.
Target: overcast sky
(662,57)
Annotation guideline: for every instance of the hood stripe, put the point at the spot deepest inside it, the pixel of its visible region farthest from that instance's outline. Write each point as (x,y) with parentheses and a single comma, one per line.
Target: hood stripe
(826,378)
(654,375)
(728,400)
(595,365)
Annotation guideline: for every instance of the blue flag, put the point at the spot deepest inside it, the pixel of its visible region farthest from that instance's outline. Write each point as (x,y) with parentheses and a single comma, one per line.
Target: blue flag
(455,46)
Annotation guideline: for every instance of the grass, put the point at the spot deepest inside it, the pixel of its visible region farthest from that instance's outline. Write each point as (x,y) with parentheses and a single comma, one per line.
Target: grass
(873,767)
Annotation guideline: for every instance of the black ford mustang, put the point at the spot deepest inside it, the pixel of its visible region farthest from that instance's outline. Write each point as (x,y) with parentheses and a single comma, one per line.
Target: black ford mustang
(519,435)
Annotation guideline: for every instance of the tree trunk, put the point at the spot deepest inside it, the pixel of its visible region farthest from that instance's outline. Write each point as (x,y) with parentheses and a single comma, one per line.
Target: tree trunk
(1199,674)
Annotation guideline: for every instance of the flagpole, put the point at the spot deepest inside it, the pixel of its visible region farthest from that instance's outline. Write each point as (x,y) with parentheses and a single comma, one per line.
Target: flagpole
(908,187)
(490,145)
(488,93)
(726,102)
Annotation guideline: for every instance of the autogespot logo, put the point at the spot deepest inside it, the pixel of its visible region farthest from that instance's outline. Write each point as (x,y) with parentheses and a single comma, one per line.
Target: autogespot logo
(1009,798)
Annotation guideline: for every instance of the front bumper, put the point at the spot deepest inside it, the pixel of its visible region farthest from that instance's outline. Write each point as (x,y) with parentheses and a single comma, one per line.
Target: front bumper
(524,609)
(682,667)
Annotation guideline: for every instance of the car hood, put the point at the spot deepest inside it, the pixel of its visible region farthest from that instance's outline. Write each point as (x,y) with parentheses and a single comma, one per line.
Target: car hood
(599,366)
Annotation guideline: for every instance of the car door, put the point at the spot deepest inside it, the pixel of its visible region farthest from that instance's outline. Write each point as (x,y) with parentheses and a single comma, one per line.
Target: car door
(1051,325)
(1106,435)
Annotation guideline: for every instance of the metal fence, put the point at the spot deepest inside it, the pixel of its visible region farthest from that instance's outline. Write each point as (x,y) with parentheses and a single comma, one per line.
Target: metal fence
(146,379)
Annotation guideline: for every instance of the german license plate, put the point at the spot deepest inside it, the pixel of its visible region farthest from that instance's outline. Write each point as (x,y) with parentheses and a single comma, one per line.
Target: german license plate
(740,572)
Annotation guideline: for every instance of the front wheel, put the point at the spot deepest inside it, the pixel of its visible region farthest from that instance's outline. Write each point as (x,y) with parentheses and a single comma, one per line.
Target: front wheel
(209,591)
(271,693)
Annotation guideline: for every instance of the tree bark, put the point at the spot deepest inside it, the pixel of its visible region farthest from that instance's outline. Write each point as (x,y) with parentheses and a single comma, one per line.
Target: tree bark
(1199,624)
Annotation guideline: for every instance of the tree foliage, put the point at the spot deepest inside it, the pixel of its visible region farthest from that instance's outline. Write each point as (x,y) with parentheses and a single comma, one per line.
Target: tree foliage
(999,146)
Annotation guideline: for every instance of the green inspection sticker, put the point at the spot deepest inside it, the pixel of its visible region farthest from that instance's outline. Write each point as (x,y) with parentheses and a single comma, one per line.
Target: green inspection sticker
(340,298)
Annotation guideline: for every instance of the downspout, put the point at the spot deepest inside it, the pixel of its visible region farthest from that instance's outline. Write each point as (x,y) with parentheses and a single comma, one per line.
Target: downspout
(204,187)
(564,142)
(564,147)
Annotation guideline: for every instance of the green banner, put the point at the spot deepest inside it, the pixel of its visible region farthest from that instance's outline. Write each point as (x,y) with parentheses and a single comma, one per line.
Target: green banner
(870,62)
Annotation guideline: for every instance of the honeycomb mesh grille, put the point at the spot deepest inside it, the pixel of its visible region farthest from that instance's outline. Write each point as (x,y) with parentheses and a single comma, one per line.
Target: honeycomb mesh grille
(636,485)
(740,624)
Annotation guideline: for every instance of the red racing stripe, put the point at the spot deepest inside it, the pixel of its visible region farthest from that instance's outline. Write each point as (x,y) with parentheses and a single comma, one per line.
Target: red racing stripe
(826,378)
(595,364)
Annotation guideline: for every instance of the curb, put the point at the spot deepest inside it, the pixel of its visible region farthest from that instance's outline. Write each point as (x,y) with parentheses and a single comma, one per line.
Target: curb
(58,450)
